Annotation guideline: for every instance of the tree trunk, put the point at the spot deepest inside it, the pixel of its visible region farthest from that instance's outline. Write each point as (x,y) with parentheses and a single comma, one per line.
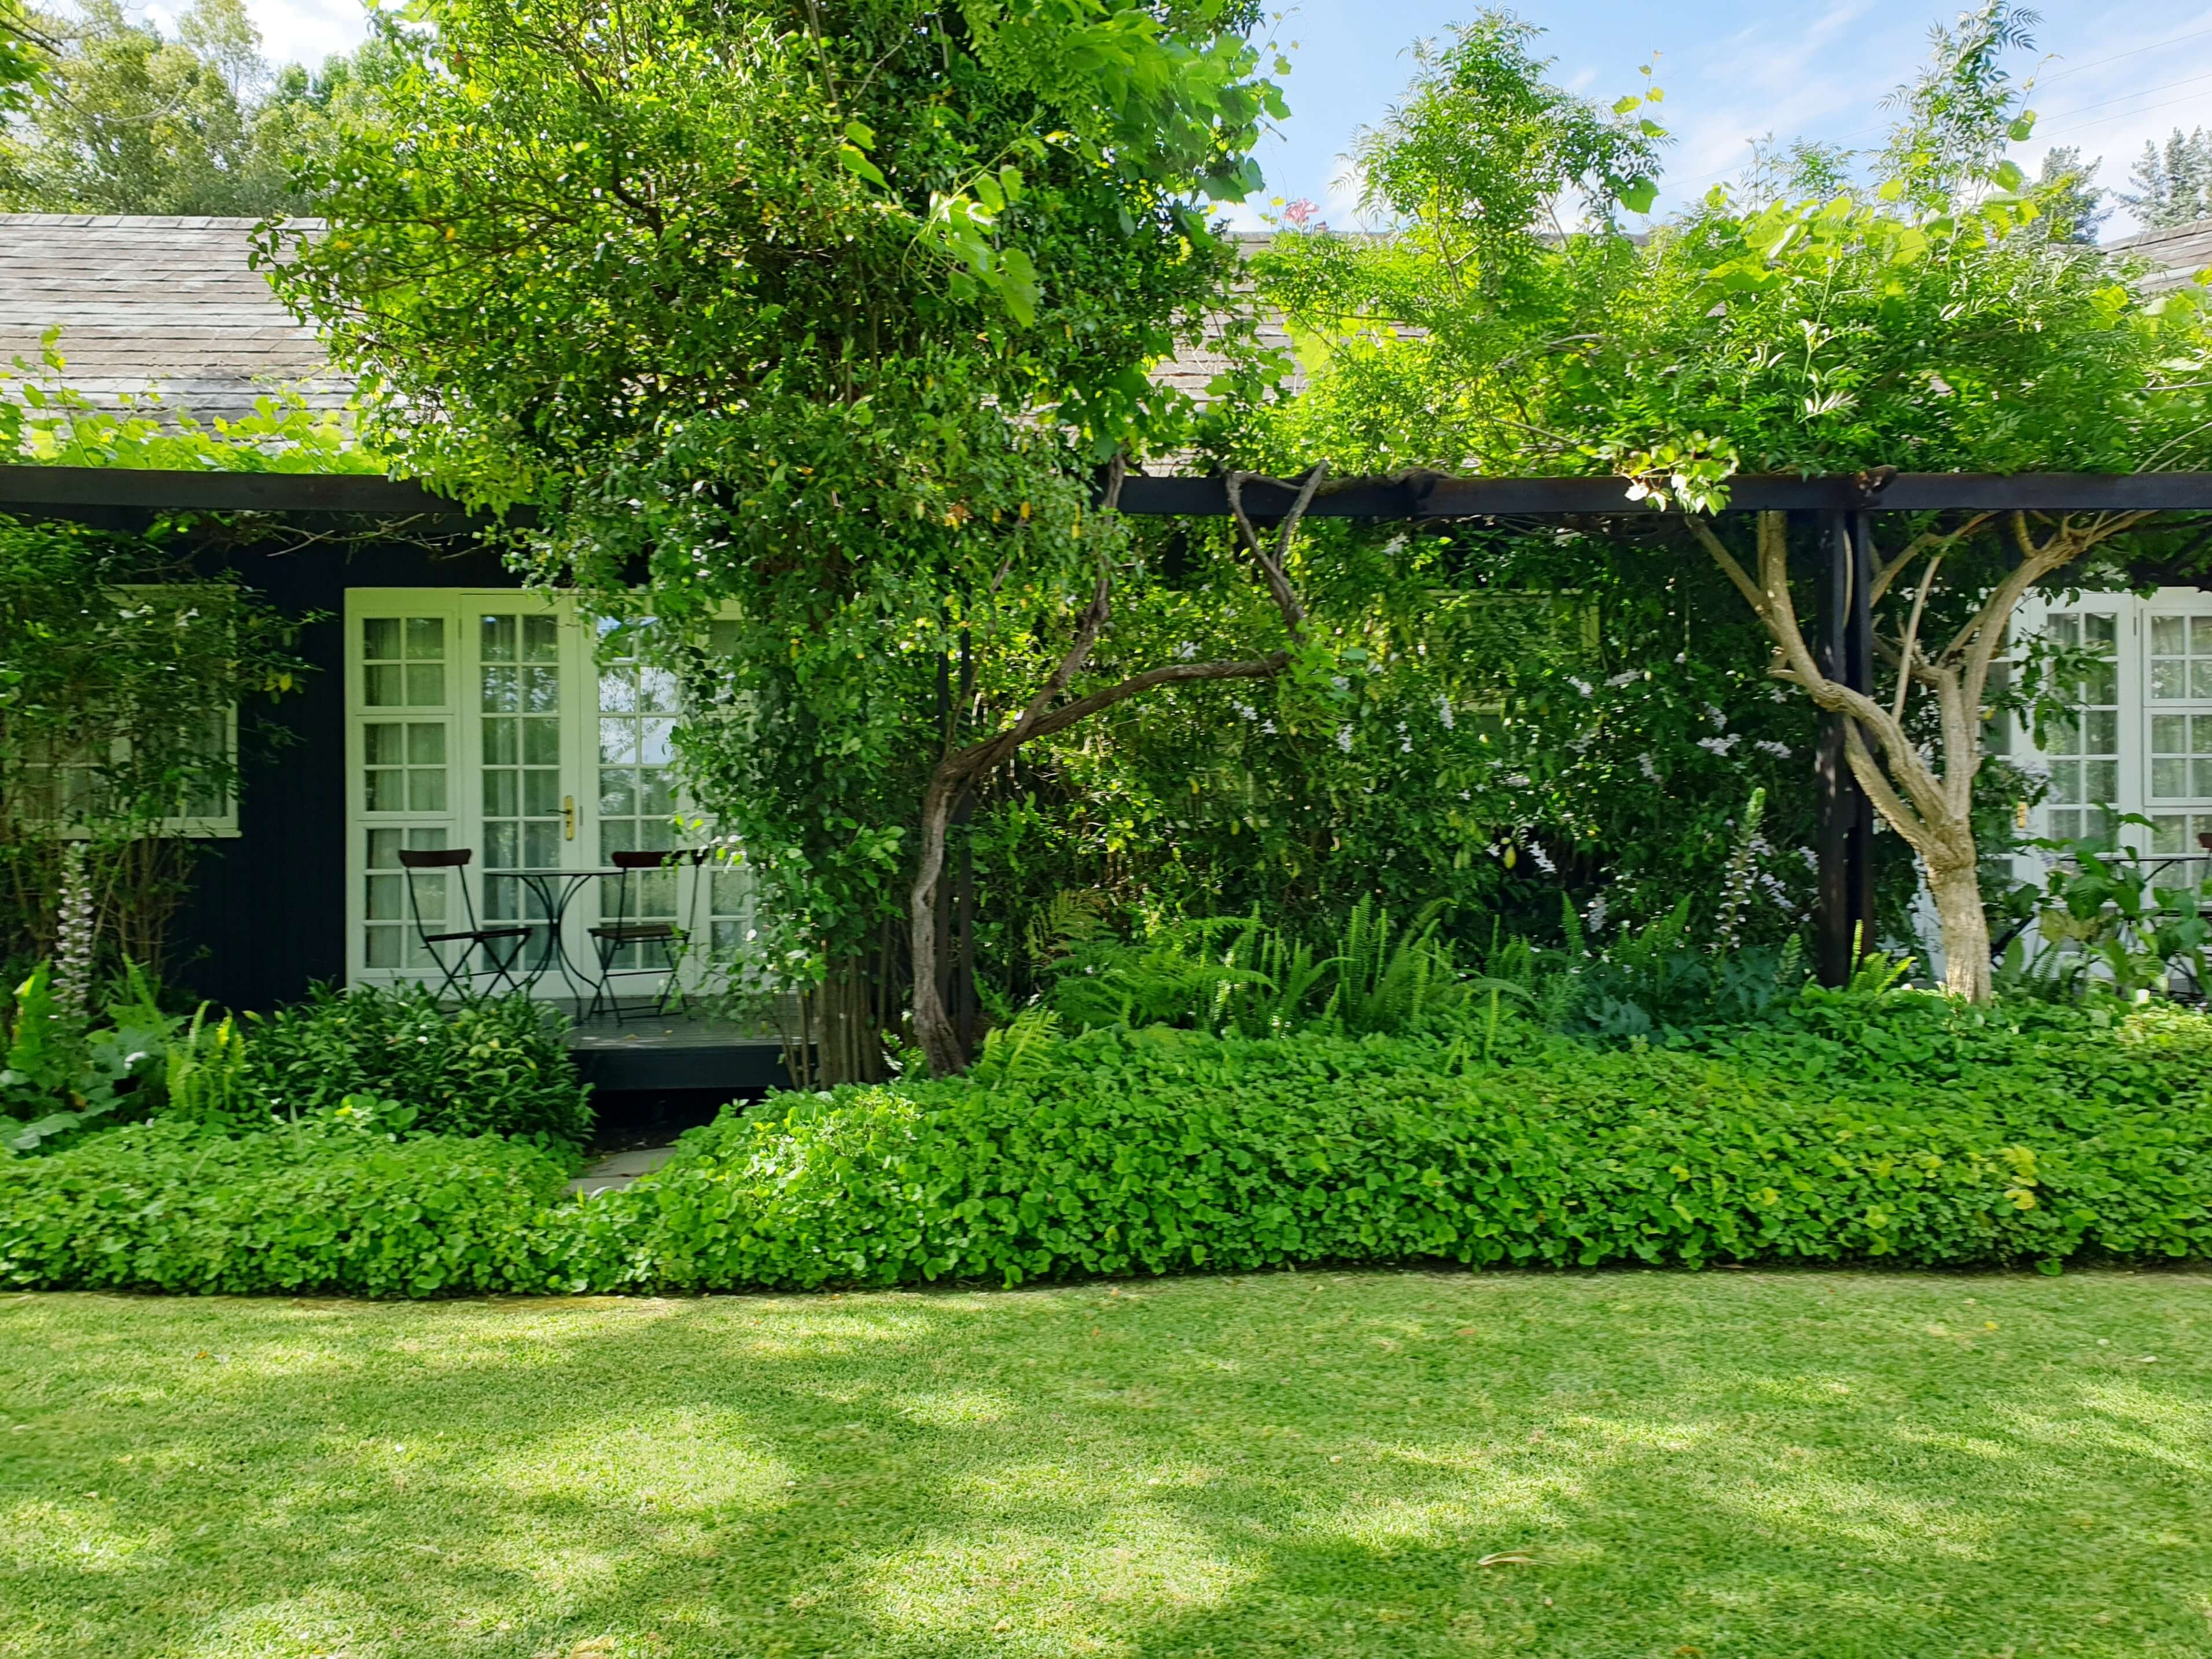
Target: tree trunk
(933,1024)
(1957,888)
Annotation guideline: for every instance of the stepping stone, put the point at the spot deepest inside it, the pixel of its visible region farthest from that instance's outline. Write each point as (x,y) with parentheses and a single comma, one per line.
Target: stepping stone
(621,1169)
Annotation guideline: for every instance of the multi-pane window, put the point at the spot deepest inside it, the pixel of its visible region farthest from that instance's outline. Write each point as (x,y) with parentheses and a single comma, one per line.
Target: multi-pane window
(2181,658)
(391,939)
(402,662)
(524,814)
(2083,745)
(637,706)
(403,766)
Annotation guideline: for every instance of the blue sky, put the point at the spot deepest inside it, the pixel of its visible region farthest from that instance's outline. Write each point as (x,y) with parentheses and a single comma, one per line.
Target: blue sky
(1733,70)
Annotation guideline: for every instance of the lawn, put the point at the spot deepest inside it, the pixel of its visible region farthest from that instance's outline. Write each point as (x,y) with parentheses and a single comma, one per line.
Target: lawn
(1623,1464)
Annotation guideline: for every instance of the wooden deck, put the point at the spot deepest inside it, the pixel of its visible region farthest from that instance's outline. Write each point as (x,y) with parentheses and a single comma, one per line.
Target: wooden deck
(677,1052)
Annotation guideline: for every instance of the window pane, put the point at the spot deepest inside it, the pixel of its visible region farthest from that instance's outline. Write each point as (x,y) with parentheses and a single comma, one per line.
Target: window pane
(382,687)
(2102,686)
(2066,780)
(2201,767)
(2167,681)
(2169,779)
(618,689)
(500,747)
(2066,825)
(2168,636)
(2100,732)
(541,794)
(617,791)
(380,745)
(426,790)
(379,638)
(386,791)
(426,639)
(2100,780)
(500,795)
(387,899)
(2169,833)
(426,685)
(426,743)
(2099,630)
(383,946)
(653,745)
(541,690)
(656,691)
(496,643)
(617,741)
(541,743)
(541,638)
(2169,734)
(2200,680)
(500,696)
(2200,635)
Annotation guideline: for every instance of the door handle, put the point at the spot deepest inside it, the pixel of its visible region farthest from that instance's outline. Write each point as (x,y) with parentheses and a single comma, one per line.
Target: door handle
(568,818)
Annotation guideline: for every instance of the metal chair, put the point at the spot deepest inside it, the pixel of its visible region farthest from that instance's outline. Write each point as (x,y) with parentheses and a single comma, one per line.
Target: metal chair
(610,939)
(502,947)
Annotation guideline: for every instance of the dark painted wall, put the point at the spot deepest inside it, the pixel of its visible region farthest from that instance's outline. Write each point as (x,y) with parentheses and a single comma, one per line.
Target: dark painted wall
(266,916)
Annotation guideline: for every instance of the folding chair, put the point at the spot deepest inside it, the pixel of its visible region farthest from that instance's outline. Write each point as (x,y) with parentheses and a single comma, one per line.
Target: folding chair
(610,939)
(502,947)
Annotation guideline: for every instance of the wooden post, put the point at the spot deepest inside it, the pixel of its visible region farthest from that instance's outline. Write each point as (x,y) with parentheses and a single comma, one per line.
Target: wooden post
(1843,914)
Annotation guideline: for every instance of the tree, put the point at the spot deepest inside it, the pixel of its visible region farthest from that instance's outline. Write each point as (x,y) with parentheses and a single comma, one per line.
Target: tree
(823,316)
(2173,183)
(126,120)
(2066,192)
(25,50)
(1927,326)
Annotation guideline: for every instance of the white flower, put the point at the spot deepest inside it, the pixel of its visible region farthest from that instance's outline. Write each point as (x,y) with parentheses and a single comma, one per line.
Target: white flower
(1626,677)
(1246,710)
(1579,683)
(1517,781)
(1719,720)
(1719,746)
(1543,862)
(1187,650)
(1267,726)
(1444,713)
(1344,739)
(1650,772)
(1768,746)
(1594,917)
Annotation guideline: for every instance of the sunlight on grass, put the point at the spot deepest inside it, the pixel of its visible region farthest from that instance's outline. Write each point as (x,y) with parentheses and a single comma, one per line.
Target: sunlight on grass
(1405,1465)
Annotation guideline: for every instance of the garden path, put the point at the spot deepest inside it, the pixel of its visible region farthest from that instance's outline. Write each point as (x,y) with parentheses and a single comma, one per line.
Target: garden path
(621,1169)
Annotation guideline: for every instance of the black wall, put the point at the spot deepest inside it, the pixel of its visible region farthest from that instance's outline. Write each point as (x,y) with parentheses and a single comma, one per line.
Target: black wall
(266,916)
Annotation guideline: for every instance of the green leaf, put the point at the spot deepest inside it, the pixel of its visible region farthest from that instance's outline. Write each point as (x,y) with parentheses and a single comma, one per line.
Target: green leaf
(1637,195)
(2020,131)
(856,161)
(1624,105)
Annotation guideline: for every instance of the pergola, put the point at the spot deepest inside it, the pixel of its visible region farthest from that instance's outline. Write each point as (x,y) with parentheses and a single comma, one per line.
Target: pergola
(1841,504)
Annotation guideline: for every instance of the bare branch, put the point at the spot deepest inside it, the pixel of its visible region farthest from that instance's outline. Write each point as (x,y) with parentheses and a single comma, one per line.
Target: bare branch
(1270,564)
(1912,636)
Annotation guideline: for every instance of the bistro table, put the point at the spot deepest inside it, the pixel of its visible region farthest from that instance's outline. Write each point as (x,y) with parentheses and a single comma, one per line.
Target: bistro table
(554,887)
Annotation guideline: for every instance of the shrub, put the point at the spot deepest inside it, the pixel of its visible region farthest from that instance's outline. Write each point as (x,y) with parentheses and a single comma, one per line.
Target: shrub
(495,1066)
(1943,1138)
(1903,1128)
(338,1205)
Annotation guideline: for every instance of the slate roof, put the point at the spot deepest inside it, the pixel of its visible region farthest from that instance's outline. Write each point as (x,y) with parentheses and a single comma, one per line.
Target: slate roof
(2179,251)
(171,304)
(163,303)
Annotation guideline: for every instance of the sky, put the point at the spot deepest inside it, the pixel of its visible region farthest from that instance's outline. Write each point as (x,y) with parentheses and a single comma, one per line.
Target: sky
(2107,78)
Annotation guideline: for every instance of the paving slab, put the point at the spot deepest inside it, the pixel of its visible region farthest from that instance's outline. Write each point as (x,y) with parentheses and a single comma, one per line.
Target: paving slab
(621,1169)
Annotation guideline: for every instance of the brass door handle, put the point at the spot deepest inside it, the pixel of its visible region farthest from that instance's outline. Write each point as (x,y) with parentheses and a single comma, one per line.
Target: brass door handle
(568,818)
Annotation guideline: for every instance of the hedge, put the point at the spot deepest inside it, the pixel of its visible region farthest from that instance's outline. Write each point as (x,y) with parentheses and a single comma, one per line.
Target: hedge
(1911,1132)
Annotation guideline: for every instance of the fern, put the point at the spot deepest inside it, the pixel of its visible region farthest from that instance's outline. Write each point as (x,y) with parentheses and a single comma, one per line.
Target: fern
(1017,1052)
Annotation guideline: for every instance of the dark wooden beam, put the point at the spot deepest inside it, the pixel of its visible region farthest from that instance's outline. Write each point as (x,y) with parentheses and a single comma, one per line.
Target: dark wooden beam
(63,491)
(1843,910)
(1426,496)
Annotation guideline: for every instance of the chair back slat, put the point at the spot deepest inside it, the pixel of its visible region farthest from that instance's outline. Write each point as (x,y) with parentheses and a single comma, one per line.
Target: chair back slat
(435,857)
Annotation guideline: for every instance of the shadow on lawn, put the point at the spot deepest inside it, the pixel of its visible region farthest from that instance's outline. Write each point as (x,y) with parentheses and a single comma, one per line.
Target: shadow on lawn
(1293,1465)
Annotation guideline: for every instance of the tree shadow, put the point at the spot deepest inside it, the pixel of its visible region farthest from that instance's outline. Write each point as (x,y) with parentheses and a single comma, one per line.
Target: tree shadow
(1401,1464)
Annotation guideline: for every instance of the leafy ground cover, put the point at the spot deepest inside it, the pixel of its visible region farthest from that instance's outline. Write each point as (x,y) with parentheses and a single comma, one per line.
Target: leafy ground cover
(1653,1464)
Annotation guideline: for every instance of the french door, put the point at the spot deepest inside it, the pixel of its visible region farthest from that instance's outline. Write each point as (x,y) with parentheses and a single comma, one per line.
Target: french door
(499,721)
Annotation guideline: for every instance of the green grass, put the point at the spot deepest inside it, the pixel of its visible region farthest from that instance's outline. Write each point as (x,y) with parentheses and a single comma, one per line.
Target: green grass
(1738,1464)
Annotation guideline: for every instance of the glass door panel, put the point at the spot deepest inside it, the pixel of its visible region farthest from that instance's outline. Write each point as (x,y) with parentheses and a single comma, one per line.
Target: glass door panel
(2084,745)
(526,815)
(637,803)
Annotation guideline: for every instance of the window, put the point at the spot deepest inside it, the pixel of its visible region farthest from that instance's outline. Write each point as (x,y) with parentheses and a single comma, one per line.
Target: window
(2084,745)
(75,788)
(2180,794)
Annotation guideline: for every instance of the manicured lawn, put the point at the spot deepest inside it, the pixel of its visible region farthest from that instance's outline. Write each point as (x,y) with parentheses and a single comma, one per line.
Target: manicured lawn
(1731,1464)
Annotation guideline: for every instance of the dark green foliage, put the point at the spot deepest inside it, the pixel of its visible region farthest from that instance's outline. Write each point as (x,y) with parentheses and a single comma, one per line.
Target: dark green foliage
(1892,1127)
(2047,1138)
(332,1205)
(492,1066)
